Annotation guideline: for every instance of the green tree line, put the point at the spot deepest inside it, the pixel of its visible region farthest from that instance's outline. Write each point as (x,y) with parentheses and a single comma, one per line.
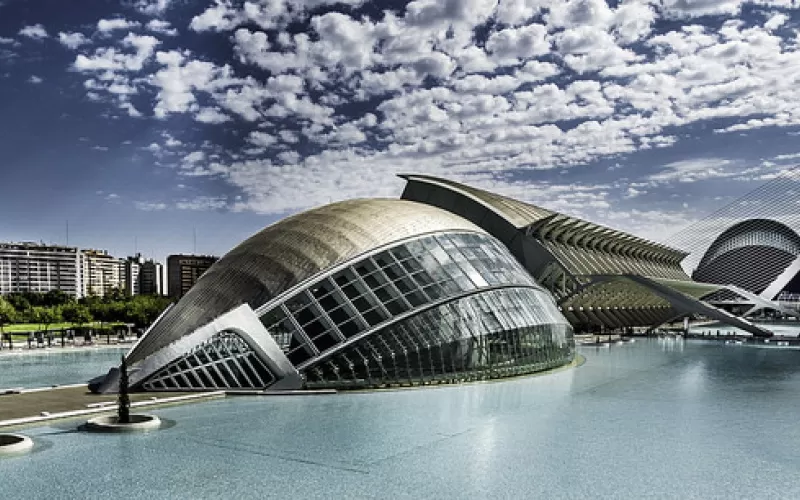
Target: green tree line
(58,307)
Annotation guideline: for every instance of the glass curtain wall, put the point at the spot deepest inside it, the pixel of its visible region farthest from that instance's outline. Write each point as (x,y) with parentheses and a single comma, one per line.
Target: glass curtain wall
(379,289)
(225,361)
(493,334)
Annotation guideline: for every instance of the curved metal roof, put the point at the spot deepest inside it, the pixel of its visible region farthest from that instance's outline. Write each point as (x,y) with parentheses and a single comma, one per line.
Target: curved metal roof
(554,225)
(516,212)
(752,232)
(291,251)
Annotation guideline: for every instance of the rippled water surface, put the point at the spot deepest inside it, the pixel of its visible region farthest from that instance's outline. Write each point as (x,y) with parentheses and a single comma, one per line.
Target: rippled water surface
(45,367)
(654,419)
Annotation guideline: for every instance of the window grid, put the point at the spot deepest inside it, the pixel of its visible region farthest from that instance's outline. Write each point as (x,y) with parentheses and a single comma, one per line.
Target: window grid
(461,340)
(223,361)
(378,288)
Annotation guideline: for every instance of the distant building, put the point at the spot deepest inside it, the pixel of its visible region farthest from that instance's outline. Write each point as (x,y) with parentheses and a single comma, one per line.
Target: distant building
(183,271)
(101,272)
(34,267)
(151,278)
(143,277)
(133,274)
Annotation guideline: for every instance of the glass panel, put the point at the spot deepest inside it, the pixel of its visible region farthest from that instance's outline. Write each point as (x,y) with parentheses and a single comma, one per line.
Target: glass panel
(411,265)
(401,253)
(350,328)
(405,285)
(471,338)
(375,316)
(396,307)
(322,289)
(416,299)
(344,277)
(340,315)
(324,342)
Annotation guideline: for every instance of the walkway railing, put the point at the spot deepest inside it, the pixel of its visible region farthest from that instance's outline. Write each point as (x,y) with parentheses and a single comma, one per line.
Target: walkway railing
(67,337)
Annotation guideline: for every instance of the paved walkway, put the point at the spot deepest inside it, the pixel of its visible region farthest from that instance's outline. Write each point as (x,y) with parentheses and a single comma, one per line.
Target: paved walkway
(63,399)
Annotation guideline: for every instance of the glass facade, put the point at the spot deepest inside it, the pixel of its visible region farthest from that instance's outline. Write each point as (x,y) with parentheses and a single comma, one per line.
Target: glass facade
(397,287)
(225,361)
(492,334)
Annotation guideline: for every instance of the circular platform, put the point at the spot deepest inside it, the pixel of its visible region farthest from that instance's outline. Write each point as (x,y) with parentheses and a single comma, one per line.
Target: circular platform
(110,423)
(12,444)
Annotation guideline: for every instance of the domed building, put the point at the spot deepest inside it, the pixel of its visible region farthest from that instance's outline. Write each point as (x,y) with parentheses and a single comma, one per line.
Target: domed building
(758,255)
(360,293)
(758,261)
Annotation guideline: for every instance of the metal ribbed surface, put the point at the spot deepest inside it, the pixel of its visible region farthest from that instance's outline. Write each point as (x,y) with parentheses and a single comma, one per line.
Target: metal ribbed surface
(290,251)
(561,228)
(518,213)
(766,234)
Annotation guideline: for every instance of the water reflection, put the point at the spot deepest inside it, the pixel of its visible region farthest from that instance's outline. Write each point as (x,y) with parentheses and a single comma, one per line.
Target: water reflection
(46,367)
(657,418)
(671,343)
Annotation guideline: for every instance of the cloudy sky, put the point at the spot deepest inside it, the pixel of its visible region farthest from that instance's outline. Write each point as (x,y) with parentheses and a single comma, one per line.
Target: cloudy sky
(140,120)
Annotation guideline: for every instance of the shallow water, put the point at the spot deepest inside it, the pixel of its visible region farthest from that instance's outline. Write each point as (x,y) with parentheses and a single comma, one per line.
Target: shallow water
(653,419)
(46,367)
(786,328)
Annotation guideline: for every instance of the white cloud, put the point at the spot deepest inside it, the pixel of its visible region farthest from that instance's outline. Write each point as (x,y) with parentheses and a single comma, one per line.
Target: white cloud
(35,31)
(775,21)
(152,7)
(109,25)
(179,79)
(525,42)
(202,203)
(694,170)
(261,139)
(35,79)
(72,40)
(194,157)
(575,13)
(6,41)
(699,8)
(149,206)
(212,116)
(556,84)
(109,59)
(160,26)
(222,16)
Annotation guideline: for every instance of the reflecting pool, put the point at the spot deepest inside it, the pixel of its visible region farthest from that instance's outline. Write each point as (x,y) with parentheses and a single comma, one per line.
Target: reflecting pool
(653,419)
(784,328)
(46,367)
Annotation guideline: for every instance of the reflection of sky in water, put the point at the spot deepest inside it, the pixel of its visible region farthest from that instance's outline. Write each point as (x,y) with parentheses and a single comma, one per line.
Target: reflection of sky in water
(636,421)
(46,367)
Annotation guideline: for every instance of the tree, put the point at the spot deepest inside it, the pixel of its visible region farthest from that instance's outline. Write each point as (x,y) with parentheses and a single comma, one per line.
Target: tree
(7,314)
(101,312)
(124,400)
(18,301)
(56,298)
(77,314)
(115,294)
(45,316)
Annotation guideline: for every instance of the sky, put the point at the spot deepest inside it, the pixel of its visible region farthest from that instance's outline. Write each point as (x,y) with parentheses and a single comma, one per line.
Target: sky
(142,123)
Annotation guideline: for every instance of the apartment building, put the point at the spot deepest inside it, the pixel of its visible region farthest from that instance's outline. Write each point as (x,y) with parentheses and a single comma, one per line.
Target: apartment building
(151,278)
(101,272)
(183,271)
(36,267)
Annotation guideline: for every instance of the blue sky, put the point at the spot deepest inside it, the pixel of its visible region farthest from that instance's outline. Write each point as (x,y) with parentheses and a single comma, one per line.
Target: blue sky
(140,120)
